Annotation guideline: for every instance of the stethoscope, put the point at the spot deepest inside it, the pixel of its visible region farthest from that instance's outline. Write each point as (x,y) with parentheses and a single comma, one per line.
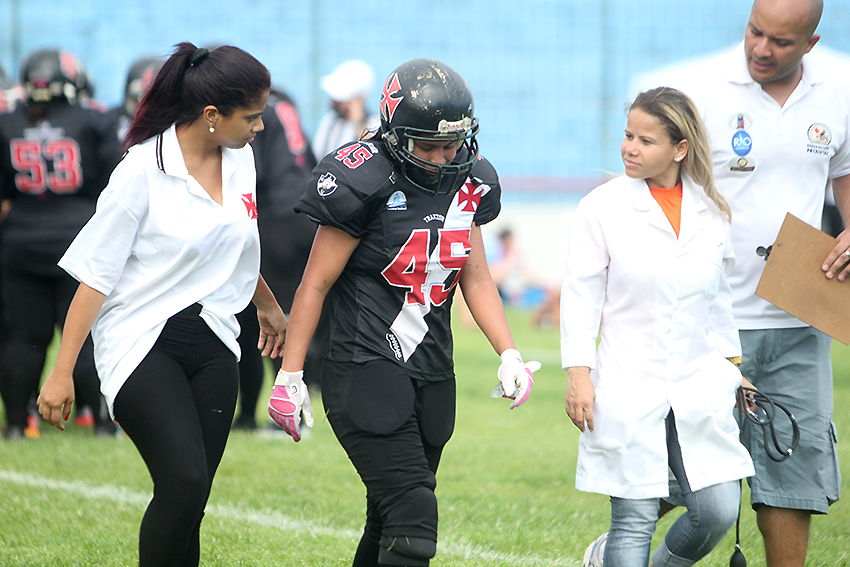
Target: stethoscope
(764,416)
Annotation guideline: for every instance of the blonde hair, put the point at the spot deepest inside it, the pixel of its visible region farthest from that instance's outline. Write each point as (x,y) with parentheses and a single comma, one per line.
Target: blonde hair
(681,120)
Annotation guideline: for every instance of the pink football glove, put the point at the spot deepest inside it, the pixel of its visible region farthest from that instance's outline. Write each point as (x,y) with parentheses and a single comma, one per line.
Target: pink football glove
(289,400)
(516,378)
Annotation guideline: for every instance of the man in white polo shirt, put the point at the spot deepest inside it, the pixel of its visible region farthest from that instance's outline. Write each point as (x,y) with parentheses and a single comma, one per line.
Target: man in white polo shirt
(778,113)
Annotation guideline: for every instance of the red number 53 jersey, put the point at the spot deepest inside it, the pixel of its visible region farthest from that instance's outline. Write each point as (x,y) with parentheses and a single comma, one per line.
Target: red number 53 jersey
(393,299)
(53,170)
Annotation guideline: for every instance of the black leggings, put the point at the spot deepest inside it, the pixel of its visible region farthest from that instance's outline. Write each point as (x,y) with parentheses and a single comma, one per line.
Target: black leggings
(177,407)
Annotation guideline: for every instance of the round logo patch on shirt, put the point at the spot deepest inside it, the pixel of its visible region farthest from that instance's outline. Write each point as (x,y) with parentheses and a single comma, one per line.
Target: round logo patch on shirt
(741,164)
(819,134)
(742,143)
(740,121)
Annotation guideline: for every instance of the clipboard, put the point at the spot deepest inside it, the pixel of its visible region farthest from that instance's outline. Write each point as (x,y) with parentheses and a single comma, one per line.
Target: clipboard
(794,281)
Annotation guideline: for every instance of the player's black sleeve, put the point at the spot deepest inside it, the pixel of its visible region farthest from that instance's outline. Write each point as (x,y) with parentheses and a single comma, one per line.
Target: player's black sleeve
(106,145)
(283,157)
(117,121)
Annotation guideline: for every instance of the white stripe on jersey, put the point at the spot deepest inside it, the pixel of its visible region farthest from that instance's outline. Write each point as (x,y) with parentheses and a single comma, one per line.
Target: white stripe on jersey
(409,325)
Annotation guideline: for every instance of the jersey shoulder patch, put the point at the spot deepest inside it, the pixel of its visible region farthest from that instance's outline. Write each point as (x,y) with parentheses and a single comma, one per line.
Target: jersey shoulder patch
(343,184)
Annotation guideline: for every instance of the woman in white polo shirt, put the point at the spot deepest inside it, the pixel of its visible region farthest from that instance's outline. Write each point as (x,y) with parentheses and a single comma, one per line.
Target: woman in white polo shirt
(168,259)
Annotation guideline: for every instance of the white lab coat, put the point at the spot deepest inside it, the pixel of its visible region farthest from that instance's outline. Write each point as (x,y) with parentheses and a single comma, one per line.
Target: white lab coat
(666,330)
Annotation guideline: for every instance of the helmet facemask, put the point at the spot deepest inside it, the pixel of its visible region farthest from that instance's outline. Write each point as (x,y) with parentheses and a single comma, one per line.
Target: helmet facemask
(432,177)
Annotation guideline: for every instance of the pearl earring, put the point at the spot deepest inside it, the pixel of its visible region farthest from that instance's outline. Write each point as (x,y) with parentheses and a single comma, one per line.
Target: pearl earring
(212,128)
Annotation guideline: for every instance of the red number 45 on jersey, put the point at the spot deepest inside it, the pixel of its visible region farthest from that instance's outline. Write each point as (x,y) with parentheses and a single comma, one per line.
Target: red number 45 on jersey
(423,276)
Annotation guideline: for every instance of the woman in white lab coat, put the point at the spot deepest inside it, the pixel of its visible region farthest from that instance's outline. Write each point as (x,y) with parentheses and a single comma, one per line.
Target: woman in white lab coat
(648,257)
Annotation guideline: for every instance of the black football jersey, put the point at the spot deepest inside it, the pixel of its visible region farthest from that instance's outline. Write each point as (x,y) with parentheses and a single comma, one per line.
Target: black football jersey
(118,122)
(283,157)
(53,170)
(393,299)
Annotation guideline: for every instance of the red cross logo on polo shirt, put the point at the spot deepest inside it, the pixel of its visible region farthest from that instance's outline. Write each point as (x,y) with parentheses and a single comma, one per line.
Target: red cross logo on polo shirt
(388,103)
(469,196)
(248,199)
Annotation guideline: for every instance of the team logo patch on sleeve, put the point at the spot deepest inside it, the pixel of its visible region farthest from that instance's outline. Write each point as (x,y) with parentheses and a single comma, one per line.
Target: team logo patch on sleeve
(326,185)
(397,202)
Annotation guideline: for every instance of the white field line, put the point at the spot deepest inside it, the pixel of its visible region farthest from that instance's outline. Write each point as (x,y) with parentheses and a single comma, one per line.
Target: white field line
(265,518)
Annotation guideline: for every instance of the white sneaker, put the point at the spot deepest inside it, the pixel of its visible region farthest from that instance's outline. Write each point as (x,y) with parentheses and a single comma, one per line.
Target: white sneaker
(595,552)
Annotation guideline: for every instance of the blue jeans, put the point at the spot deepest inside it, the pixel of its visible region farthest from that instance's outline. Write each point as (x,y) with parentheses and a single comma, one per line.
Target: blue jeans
(711,511)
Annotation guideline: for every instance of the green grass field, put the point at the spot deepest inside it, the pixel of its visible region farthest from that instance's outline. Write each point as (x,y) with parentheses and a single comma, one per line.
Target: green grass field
(505,486)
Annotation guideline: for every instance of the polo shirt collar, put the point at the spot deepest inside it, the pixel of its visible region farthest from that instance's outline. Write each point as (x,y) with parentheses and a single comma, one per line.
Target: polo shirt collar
(813,70)
(170,157)
(738,72)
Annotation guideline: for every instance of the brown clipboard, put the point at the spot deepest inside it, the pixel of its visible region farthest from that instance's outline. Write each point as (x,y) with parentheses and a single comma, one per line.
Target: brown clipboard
(794,281)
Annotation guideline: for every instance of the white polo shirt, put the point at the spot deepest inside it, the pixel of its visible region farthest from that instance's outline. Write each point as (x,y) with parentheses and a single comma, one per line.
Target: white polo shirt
(157,244)
(770,160)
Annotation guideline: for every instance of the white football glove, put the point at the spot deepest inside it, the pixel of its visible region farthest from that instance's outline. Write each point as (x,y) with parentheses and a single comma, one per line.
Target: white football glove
(289,400)
(516,378)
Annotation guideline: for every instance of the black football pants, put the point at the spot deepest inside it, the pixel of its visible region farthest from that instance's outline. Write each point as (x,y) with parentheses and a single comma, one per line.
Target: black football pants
(393,429)
(36,295)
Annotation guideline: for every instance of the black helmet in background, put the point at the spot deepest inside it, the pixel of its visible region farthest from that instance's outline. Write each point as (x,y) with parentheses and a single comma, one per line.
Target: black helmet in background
(140,77)
(50,74)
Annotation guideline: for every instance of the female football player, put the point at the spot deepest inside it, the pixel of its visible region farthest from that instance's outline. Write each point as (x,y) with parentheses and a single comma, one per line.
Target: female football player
(400,216)
(168,259)
(648,256)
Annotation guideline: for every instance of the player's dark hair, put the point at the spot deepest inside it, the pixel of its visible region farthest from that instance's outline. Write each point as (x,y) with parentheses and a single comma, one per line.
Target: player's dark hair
(679,116)
(192,79)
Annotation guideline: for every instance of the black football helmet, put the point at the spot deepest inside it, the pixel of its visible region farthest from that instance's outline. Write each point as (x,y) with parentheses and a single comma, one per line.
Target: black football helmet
(140,77)
(425,99)
(50,73)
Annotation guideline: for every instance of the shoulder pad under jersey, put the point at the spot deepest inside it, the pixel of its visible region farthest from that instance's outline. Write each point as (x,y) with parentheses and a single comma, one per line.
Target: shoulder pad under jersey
(344,182)
(484,171)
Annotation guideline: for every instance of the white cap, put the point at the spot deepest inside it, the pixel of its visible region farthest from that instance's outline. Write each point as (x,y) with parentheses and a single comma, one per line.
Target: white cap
(349,80)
